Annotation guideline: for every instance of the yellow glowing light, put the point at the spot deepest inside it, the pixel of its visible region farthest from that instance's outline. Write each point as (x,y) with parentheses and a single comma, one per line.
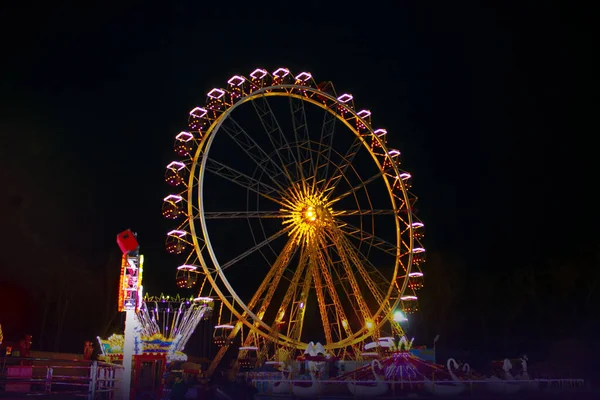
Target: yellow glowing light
(344,323)
(369,325)
(310,214)
(307,212)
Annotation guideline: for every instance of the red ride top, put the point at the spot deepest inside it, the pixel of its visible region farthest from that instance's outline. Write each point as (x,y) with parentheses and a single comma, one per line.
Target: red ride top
(127,241)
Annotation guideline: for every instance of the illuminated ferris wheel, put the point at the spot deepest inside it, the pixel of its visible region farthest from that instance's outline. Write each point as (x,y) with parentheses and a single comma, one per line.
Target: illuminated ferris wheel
(293,211)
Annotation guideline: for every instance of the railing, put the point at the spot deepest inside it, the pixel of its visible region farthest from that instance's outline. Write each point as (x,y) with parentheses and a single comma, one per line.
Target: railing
(324,389)
(69,378)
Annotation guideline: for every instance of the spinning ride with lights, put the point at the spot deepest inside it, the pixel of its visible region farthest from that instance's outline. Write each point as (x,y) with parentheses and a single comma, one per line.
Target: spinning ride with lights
(318,180)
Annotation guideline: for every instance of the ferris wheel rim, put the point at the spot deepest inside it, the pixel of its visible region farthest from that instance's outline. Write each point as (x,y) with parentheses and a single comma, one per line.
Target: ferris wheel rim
(204,149)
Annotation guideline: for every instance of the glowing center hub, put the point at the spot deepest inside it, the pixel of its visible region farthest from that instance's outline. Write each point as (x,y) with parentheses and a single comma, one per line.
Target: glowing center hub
(311,214)
(307,212)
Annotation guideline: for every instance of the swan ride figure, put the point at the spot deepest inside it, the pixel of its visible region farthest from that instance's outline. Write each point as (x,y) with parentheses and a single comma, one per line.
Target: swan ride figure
(508,385)
(452,388)
(367,390)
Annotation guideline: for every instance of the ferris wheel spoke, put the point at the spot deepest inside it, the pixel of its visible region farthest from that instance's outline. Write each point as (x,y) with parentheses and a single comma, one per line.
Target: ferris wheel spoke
(341,280)
(258,295)
(276,273)
(291,291)
(320,290)
(243,180)
(249,146)
(354,285)
(356,188)
(243,214)
(324,149)
(296,322)
(375,241)
(348,159)
(360,262)
(353,257)
(279,266)
(338,309)
(352,213)
(374,272)
(275,134)
(255,248)
(302,137)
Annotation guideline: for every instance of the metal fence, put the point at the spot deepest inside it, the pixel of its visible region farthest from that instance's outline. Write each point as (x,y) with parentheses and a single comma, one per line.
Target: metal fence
(328,389)
(69,378)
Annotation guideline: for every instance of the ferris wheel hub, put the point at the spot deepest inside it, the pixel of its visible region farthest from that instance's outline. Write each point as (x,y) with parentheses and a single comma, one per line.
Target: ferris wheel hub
(308,212)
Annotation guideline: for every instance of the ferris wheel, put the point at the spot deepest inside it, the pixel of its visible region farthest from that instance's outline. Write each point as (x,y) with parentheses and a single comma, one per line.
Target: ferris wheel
(293,211)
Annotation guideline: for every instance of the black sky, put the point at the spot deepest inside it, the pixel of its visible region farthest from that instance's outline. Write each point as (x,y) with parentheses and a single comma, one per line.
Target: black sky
(489,103)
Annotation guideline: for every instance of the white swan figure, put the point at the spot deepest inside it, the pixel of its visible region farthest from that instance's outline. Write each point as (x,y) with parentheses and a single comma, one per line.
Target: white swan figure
(524,375)
(319,349)
(453,388)
(312,390)
(508,385)
(367,390)
(284,385)
(311,349)
(466,368)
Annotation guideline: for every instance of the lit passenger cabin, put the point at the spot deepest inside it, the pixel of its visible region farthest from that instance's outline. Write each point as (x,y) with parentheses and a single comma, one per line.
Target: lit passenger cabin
(363,121)
(281,75)
(392,158)
(187,276)
(418,256)
(172,206)
(405,178)
(345,103)
(418,229)
(183,144)
(409,304)
(247,357)
(257,78)
(198,120)
(303,78)
(173,174)
(175,243)
(220,334)
(415,278)
(236,87)
(379,138)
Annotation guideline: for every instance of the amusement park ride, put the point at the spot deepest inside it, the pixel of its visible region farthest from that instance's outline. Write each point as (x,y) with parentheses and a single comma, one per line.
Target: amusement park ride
(322,202)
(156,329)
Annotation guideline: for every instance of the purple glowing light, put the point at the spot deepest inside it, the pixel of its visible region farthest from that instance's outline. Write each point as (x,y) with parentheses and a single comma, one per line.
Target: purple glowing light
(345,98)
(281,72)
(303,76)
(364,114)
(198,112)
(236,80)
(176,165)
(258,73)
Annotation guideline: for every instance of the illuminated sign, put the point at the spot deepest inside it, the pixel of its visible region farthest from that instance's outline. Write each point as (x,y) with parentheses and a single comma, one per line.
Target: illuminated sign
(130,283)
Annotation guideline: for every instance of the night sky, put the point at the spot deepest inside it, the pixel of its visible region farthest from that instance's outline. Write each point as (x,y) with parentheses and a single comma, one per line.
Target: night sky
(489,104)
